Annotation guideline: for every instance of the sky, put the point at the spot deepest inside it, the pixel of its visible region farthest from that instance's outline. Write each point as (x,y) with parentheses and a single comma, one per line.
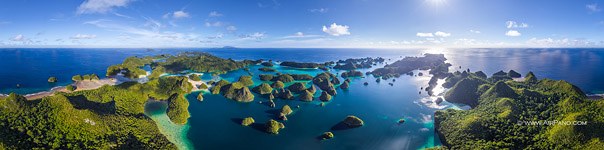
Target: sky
(302,23)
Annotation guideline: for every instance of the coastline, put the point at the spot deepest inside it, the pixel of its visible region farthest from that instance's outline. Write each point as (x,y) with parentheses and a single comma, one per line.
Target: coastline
(80,86)
(175,133)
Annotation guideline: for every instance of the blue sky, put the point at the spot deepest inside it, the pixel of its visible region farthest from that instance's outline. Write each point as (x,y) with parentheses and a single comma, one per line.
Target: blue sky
(303,23)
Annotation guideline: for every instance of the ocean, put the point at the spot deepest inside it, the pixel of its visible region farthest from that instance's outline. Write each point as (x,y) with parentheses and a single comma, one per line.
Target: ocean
(214,122)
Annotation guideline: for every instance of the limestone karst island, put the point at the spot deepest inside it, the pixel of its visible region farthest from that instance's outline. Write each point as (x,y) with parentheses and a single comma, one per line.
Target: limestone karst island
(300,75)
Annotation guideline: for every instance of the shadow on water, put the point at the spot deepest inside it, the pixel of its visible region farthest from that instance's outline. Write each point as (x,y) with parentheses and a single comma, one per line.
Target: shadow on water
(273,113)
(237,120)
(340,126)
(257,126)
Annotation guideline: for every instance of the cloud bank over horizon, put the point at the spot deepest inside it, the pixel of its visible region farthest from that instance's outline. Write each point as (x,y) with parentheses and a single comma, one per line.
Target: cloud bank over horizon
(314,23)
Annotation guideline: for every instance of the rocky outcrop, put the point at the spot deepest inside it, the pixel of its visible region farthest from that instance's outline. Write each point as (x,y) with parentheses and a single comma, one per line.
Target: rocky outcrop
(465,91)
(351,73)
(286,110)
(306,96)
(236,91)
(514,74)
(200,97)
(327,135)
(344,85)
(297,87)
(531,78)
(266,77)
(325,96)
(247,121)
(263,88)
(353,121)
(283,94)
(278,85)
(273,126)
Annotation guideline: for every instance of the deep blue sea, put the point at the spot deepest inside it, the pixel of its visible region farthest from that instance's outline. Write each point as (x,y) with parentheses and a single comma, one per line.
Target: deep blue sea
(214,122)
(31,67)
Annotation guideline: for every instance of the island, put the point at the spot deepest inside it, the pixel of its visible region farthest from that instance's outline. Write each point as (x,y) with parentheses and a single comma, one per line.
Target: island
(273,126)
(111,114)
(325,96)
(306,96)
(408,64)
(358,63)
(325,81)
(263,89)
(266,77)
(504,112)
(247,121)
(353,121)
(267,69)
(300,65)
(52,79)
(345,85)
(351,73)
(327,135)
(297,87)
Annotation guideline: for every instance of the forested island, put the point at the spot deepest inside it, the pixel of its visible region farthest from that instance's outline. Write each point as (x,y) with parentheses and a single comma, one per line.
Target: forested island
(504,108)
(113,116)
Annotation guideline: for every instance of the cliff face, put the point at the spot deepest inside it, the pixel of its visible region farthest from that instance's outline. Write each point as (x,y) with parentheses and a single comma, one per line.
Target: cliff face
(236,91)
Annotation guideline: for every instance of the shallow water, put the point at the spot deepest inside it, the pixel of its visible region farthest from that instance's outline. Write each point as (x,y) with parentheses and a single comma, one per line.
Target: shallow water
(215,122)
(177,134)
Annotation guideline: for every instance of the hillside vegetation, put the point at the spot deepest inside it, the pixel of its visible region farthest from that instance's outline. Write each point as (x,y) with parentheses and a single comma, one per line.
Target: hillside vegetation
(503,108)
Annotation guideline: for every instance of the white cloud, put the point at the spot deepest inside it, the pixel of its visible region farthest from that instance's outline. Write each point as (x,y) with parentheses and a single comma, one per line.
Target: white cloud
(231,28)
(100,6)
(475,31)
(593,7)
(421,34)
(176,15)
(122,15)
(214,24)
(319,10)
(256,36)
(564,42)
(143,36)
(153,24)
(19,38)
(514,24)
(441,34)
(299,34)
(217,36)
(214,14)
(83,36)
(513,33)
(180,14)
(336,30)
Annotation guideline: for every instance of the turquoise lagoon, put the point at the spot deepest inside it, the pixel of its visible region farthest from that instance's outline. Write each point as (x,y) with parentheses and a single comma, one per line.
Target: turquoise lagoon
(215,122)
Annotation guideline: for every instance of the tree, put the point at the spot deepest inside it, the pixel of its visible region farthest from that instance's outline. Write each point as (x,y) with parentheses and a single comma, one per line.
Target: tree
(247,121)
(246,80)
(286,110)
(52,79)
(76,78)
(70,88)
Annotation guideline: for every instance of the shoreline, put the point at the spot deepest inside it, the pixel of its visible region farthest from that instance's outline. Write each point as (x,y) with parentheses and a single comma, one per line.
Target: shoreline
(177,134)
(80,86)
